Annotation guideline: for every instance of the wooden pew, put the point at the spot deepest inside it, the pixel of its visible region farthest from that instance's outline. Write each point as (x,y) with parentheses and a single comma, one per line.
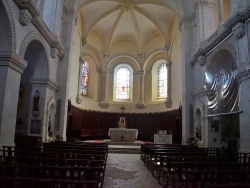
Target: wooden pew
(50,176)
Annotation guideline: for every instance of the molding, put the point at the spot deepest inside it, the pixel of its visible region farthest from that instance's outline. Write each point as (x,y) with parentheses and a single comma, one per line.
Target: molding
(40,25)
(45,81)
(237,17)
(12,60)
(29,5)
(11,24)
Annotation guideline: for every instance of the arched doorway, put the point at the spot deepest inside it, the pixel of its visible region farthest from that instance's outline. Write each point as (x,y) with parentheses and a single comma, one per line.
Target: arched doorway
(31,105)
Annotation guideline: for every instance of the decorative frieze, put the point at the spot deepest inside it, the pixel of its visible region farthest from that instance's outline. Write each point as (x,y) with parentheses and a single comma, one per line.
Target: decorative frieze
(24,17)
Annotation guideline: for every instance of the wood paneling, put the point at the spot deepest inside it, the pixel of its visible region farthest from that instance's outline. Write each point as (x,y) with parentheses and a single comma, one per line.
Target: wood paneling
(146,123)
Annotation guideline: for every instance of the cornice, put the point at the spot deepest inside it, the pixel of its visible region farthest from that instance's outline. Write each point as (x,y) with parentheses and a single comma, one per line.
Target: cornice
(47,82)
(12,60)
(29,5)
(237,17)
(221,33)
(46,33)
(37,21)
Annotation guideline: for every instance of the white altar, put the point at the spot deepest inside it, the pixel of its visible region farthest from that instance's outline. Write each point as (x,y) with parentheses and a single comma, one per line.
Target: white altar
(122,135)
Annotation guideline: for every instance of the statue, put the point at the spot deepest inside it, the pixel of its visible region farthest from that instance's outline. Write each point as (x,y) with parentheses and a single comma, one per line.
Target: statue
(122,123)
(36,104)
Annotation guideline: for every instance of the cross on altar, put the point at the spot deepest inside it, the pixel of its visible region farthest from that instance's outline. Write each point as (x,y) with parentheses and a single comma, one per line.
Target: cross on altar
(122,108)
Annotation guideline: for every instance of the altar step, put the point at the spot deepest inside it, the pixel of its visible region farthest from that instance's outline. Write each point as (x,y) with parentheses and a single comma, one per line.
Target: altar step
(124,149)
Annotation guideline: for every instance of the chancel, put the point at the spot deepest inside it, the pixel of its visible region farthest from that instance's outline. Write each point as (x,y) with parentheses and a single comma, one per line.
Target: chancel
(129,68)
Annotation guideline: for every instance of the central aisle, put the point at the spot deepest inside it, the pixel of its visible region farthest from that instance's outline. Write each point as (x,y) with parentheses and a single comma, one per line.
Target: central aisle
(128,171)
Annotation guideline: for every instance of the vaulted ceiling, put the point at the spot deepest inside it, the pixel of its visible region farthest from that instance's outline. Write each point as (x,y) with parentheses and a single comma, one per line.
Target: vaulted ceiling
(131,20)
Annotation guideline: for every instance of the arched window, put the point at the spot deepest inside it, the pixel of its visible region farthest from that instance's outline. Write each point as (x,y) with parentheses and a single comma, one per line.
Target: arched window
(162,81)
(122,82)
(84,78)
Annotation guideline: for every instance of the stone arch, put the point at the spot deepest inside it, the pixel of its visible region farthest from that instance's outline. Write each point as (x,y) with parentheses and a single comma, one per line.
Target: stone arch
(31,38)
(7,25)
(228,46)
(124,59)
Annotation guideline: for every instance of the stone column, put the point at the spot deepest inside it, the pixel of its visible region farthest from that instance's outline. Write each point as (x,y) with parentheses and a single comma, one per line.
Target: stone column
(52,15)
(187,79)
(11,68)
(79,97)
(141,104)
(242,75)
(205,11)
(104,103)
(237,6)
(64,67)
(168,101)
(220,11)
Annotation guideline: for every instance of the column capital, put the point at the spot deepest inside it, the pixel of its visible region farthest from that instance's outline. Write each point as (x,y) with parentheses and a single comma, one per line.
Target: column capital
(205,3)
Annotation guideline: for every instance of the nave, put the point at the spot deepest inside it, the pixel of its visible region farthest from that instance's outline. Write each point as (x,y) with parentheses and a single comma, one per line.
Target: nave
(128,170)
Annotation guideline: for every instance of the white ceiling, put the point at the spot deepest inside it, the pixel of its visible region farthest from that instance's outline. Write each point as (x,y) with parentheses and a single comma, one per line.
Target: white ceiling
(132,20)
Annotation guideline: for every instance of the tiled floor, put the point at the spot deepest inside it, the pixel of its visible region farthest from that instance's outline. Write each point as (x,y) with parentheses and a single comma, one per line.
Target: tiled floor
(128,171)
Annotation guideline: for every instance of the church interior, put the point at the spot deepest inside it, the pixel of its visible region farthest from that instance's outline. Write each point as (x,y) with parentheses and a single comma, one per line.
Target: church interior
(170,72)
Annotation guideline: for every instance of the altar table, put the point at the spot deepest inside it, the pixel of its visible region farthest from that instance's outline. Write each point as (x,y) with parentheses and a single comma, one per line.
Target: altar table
(122,134)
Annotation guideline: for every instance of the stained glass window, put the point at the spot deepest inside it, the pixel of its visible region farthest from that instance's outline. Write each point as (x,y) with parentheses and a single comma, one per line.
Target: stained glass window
(84,78)
(123,84)
(162,81)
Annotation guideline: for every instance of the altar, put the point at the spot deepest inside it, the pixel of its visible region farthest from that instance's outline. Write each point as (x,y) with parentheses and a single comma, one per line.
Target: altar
(122,135)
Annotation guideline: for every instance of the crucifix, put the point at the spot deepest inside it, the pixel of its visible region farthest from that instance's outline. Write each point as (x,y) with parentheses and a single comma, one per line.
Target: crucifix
(122,108)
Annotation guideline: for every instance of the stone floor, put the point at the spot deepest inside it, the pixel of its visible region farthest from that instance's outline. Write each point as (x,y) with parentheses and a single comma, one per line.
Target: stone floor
(128,171)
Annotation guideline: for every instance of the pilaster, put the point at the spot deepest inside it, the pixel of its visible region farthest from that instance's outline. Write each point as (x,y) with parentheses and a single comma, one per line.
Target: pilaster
(11,67)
